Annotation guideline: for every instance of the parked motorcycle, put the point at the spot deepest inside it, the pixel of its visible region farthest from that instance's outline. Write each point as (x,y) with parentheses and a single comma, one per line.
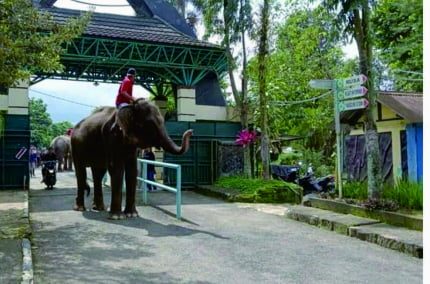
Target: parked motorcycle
(311,184)
(308,182)
(49,173)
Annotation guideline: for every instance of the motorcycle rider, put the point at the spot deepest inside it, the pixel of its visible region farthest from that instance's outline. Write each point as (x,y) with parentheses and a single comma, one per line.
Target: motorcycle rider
(49,155)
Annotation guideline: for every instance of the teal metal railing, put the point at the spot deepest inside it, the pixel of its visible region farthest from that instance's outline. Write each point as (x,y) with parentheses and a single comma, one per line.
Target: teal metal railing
(177,190)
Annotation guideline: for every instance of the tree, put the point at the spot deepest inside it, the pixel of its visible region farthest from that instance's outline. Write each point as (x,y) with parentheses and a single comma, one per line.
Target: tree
(307,47)
(60,128)
(263,50)
(31,41)
(41,127)
(353,18)
(40,122)
(232,21)
(398,28)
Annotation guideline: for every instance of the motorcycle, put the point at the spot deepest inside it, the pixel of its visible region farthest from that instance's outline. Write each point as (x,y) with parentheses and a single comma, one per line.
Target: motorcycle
(308,182)
(49,173)
(311,184)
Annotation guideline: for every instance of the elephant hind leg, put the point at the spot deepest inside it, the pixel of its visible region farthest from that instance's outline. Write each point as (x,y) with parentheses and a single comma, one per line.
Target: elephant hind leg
(98,174)
(130,178)
(81,176)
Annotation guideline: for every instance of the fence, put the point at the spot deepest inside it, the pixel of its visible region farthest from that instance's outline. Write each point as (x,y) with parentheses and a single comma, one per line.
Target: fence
(145,181)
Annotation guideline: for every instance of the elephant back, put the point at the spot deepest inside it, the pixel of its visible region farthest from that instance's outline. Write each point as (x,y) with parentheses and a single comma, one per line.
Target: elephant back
(61,145)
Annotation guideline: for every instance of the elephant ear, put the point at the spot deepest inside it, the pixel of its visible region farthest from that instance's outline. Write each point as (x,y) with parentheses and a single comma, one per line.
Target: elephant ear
(125,120)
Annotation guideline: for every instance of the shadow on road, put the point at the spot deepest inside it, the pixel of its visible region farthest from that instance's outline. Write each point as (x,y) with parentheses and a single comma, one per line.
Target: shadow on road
(153,228)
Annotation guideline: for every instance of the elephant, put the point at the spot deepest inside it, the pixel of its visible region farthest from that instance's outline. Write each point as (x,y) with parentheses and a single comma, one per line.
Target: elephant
(63,151)
(108,140)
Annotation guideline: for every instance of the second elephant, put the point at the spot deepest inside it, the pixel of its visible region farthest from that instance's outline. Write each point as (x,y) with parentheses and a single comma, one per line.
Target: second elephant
(63,150)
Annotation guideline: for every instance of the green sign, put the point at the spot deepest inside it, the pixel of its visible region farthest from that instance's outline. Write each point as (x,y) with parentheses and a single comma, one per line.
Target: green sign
(351,93)
(351,81)
(352,104)
(321,84)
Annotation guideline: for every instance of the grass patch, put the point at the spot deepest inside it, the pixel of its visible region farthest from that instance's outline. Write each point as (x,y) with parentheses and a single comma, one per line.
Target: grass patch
(259,190)
(355,190)
(409,195)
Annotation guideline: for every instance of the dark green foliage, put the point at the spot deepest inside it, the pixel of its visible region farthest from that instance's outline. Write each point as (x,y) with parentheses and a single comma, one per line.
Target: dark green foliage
(408,195)
(398,29)
(355,190)
(31,41)
(259,190)
(42,129)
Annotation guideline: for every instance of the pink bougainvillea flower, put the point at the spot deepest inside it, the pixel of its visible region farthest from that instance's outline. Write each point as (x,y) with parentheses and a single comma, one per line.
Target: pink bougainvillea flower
(245,137)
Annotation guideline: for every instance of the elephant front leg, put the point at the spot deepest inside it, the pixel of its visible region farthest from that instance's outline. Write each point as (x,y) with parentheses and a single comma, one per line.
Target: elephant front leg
(130,179)
(116,200)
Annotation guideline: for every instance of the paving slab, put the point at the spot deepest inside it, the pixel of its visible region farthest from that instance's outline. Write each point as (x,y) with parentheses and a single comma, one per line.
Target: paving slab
(388,236)
(10,261)
(397,238)
(326,219)
(14,214)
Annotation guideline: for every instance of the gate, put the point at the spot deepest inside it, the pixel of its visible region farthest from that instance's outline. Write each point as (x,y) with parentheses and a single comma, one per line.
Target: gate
(199,164)
(14,147)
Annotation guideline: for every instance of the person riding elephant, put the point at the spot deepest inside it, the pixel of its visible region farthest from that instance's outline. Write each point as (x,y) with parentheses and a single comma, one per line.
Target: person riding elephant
(107,140)
(63,150)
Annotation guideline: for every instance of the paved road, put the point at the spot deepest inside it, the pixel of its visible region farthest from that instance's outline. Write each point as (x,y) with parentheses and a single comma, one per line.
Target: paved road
(218,243)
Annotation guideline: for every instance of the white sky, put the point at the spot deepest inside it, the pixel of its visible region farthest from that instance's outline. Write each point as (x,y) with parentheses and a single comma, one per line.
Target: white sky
(50,91)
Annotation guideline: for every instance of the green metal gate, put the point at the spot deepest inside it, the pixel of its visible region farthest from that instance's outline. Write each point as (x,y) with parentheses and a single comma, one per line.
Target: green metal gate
(14,147)
(199,164)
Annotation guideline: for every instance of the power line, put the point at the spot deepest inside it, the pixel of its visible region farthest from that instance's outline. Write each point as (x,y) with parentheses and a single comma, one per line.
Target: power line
(62,99)
(281,103)
(409,72)
(101,5)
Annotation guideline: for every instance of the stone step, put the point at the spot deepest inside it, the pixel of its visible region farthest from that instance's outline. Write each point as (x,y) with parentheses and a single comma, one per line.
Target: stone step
(392,237)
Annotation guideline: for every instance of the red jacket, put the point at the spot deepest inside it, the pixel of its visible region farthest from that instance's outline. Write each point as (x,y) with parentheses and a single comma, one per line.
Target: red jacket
(126,86)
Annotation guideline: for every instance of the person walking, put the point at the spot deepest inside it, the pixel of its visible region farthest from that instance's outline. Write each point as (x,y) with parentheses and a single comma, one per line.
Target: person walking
(149,155)
(33,161)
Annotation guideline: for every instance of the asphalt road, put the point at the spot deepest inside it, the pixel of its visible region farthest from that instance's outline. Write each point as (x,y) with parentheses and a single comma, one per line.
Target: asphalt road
(217,242)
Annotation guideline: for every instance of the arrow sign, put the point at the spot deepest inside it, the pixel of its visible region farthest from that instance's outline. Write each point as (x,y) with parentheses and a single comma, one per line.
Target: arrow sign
(353,104)
(351,81)
(321,84)
(351,93)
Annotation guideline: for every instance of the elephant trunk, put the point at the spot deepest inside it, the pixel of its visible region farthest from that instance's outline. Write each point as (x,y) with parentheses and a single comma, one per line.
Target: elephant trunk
(168,145)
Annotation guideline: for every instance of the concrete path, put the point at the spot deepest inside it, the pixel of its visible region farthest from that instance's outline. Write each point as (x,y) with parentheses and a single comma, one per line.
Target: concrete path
(14,227)
(217,242)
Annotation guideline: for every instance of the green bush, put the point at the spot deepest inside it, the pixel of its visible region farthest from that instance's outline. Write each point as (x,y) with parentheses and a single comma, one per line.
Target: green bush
(407,194)
(355,190)
(289,159)
(259,190)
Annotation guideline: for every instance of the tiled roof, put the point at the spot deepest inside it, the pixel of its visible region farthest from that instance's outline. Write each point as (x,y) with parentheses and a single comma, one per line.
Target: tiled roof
(407,105)
(134,28)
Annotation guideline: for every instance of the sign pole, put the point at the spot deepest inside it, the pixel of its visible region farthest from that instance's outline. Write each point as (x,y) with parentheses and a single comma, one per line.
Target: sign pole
(338,138)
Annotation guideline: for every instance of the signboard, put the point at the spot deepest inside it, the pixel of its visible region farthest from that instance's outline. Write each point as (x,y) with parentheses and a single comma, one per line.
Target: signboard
(351,93)
(353,104)
(351,81)
(321,84)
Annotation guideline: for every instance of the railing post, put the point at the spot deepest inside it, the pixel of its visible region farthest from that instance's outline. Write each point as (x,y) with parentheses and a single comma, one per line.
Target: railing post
(144,175)
(178,192)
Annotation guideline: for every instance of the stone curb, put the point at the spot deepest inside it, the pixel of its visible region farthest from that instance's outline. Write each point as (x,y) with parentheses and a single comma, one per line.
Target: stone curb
(358,227)
(27,263)
(27,260)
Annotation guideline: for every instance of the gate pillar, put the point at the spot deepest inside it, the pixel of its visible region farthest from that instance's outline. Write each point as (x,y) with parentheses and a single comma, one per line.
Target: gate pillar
(186,104)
